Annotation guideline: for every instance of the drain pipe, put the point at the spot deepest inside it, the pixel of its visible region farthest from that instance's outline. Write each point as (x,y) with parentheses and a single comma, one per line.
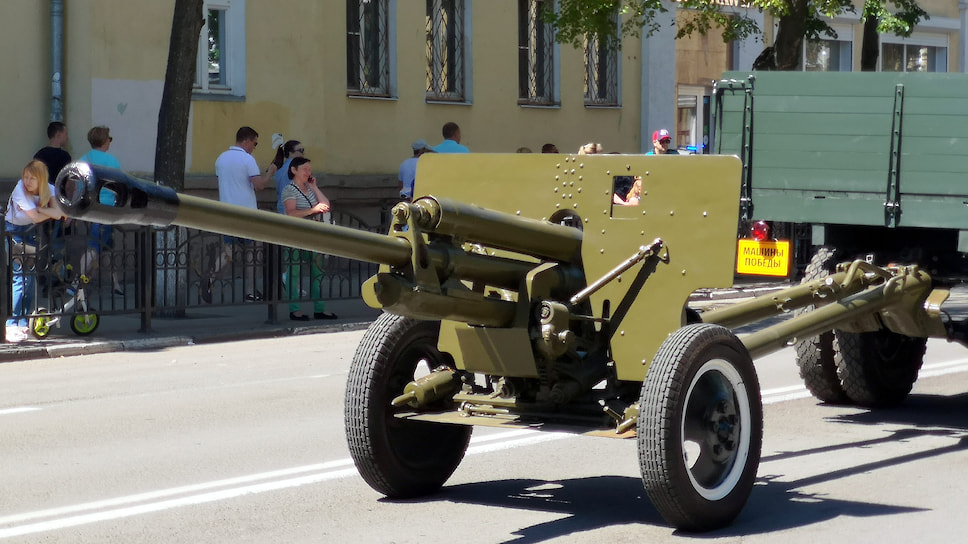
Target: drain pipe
(56,60)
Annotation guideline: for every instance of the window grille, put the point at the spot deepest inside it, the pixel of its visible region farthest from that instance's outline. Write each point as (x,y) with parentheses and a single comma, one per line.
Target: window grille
(536,78)
(367,48)
(445,50)
(601,73)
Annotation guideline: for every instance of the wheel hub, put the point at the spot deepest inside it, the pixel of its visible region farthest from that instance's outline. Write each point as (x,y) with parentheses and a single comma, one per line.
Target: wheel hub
(723,430)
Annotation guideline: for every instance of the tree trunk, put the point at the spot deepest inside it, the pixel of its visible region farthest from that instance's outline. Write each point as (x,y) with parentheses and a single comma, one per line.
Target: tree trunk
(788,43)
(870,48)
(176,103)
(176,100)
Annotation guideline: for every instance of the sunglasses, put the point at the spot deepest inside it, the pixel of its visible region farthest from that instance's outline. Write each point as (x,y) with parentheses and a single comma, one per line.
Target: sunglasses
(299,150)
(665,141)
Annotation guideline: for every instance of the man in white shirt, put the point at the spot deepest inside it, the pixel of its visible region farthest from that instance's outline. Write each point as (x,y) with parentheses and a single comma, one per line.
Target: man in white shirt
(239,178)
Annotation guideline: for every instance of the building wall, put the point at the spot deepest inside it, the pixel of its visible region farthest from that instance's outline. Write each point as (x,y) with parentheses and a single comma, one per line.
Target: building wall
(115,56)
(25,69)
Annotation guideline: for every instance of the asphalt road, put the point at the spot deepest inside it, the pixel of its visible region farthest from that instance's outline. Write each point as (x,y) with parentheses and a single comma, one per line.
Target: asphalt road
(243,442)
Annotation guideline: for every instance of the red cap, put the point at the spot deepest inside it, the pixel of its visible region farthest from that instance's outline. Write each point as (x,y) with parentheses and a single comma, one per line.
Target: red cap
(661,134)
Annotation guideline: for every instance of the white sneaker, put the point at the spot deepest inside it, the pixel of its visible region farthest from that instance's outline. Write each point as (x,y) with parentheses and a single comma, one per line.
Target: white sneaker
(16,334)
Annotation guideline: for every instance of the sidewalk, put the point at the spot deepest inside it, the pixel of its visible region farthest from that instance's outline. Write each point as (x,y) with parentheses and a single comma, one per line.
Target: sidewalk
(204,324)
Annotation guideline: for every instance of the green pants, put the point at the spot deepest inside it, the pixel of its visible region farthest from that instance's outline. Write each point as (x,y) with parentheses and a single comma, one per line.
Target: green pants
(298,259)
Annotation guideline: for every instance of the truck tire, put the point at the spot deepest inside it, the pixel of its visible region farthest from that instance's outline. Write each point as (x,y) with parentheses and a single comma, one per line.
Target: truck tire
(399,458)
(816,356)
(878,369)
(700,429)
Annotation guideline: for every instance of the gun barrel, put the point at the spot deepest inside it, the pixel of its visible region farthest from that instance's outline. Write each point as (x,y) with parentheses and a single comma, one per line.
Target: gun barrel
(499,230)
(106,195)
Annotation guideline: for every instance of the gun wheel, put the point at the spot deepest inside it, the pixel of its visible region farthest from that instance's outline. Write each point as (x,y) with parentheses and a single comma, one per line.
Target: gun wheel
(816,356)
(86,323)
(878,369)
(700,428)
(398,457)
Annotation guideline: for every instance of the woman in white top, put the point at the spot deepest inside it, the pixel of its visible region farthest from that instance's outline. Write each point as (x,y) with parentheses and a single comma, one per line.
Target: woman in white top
(30,204)
(302,198)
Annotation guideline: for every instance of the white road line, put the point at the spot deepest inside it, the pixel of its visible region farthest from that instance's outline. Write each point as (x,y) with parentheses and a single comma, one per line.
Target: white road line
(18,410)
(164,499)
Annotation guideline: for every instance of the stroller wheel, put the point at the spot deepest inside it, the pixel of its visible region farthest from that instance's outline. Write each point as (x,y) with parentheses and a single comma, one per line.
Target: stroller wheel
(85,324)
(39,326)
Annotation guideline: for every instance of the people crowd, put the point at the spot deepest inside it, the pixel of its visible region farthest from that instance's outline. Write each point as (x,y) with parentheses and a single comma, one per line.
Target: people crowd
(239,178)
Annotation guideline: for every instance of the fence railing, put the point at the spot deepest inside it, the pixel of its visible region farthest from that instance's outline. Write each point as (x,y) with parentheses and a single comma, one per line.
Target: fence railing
(164,271)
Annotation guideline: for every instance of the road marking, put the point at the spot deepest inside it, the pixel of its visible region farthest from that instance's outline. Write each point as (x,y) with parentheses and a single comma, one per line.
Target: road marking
(18,410)
(165,499)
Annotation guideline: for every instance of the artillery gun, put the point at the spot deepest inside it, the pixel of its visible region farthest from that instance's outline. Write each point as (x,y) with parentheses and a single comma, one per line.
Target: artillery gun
(519,294)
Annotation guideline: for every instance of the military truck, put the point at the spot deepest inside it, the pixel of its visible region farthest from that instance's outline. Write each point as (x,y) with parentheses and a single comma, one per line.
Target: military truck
(870,166)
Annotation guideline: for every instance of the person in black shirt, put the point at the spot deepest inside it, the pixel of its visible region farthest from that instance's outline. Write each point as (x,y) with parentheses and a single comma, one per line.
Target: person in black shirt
(54,155)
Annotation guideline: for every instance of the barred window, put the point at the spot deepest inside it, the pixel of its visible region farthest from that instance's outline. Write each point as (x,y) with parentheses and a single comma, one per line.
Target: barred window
(601,72)
(536,78)
(445,49)
(367,49)
(220,64)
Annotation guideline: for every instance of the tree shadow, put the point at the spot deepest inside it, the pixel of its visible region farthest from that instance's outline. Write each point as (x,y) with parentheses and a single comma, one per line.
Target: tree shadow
(592,503)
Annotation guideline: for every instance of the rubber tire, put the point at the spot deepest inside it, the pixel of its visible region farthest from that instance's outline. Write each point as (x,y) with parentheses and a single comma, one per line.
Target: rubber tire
(816,356)
(82,328)
(397,457)
(695,368)
(878,369)
(39,326)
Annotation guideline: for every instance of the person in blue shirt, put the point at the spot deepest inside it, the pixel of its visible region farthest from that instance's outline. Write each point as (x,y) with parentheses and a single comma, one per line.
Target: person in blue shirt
(451,143)
(101,235)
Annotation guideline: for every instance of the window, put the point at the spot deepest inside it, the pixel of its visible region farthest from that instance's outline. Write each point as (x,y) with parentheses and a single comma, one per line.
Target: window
(536,54)
(445,50)
(601,72)
(826,56)
(221,49)
(367,49)
(907,57)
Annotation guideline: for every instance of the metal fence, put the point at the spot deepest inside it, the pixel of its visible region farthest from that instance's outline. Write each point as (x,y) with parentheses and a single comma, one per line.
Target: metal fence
(163,271)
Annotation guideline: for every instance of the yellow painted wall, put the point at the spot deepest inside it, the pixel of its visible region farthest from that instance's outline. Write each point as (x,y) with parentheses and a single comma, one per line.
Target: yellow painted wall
(115,56)
(296,85)
(25,73)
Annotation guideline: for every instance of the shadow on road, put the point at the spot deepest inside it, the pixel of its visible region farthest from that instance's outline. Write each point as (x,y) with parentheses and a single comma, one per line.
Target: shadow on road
(591,503)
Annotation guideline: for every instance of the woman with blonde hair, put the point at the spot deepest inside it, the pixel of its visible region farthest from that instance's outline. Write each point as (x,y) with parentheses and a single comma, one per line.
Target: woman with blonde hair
(30,204)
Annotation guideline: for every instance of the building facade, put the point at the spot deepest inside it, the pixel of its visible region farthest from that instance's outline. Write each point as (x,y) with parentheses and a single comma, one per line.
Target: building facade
(358,80)
(355,80)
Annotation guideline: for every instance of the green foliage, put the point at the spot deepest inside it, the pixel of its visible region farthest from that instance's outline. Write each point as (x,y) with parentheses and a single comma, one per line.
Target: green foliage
(611,20)
(906,14)
(608,20)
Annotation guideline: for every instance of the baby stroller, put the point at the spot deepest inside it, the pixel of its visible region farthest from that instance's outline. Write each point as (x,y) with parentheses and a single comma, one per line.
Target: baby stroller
(66,292)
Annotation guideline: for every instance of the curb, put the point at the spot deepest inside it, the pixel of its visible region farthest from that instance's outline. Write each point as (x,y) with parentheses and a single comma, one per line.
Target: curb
(27,352)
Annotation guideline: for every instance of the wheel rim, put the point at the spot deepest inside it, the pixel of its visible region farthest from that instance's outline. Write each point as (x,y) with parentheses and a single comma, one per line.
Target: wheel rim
(85,323)
(715,436)
(40,326)
(893,351)
(419,358)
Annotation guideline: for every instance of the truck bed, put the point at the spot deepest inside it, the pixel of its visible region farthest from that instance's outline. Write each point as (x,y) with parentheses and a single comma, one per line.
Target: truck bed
(834,148)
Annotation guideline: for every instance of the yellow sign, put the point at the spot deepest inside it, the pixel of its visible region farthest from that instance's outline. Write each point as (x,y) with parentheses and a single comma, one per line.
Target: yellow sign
(763,258)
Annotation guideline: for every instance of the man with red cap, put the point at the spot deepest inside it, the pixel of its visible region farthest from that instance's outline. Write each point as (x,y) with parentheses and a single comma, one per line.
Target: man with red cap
(661,140)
